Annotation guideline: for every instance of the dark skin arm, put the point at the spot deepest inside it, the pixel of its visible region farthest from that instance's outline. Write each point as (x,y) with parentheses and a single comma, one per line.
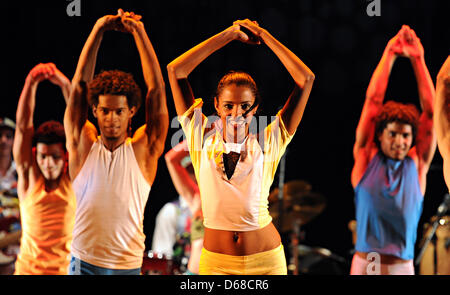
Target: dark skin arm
(365,132)
(179,69)
(148,141)
(425,147)
(294,107)
(80,133)
(442,116)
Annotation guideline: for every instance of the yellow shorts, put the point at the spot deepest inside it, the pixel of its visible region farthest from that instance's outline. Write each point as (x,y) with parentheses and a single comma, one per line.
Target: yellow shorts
(272,262)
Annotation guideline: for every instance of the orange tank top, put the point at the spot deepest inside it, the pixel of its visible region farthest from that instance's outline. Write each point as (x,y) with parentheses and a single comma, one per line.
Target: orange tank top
(47,223)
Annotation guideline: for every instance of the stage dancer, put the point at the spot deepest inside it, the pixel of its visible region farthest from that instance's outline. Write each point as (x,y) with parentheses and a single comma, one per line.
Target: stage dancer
(180,168)
(47,201)
(393,150)
(442,117)
(233,167)
(112,173)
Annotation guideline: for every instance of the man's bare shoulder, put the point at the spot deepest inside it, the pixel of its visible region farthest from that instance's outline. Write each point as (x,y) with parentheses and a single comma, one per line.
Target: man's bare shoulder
(78,152)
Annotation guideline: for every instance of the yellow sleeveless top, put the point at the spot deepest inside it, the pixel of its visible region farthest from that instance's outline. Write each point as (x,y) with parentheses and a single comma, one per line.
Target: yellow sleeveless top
(47,223)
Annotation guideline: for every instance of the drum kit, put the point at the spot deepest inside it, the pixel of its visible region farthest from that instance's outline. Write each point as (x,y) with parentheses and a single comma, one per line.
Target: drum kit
(434,255)
(291,209)
(298,206)
(435,246)
(9,231)
(160,264)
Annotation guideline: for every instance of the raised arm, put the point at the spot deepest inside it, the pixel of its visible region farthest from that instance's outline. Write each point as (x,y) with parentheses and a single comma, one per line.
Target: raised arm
(373,104)
(59,79)
(157,115)
(375,96)
(179,69)
(77,107)
(294,107)
(22,148)
(186,187)
(426,137)
(80,133)
(442,116)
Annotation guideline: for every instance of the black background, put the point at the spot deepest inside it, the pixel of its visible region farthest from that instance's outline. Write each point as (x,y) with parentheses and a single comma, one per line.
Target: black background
(337,40)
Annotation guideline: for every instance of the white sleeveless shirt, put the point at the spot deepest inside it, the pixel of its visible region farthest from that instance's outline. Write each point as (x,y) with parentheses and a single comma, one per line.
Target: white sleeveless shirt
(111,194)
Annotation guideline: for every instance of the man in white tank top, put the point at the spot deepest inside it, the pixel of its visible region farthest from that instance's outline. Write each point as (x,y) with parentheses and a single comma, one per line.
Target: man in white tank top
(112,173)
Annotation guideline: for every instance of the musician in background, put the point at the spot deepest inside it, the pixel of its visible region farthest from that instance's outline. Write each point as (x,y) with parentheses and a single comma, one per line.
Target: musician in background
(10,231)
(8,174)
(172,226)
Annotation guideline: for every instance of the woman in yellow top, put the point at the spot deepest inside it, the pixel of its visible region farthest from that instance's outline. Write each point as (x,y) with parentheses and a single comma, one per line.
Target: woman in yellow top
(47,201)
(234,167)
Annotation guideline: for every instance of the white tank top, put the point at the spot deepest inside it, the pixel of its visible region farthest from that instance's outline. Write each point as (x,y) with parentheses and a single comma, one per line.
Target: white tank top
(111,194)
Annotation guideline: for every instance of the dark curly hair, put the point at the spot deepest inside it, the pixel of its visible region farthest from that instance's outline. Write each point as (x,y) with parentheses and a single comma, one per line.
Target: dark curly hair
(50,132)
(117,83)
(396,112)
(240,78)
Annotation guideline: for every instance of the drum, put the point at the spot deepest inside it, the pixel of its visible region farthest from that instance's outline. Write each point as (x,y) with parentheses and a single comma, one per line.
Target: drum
(320,261)
(436,258)
(9,243)
(159,264)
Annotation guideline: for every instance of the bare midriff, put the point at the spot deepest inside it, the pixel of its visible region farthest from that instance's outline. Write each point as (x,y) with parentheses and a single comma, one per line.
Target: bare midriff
(384,259)
(241,243)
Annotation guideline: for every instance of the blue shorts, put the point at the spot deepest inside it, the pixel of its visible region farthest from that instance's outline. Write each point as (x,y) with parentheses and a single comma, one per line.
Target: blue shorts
(79,267)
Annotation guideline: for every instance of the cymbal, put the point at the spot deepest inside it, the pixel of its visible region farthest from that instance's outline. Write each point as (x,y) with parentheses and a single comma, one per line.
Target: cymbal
(293,188)
(444,220)
(442,230)
(300,208)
